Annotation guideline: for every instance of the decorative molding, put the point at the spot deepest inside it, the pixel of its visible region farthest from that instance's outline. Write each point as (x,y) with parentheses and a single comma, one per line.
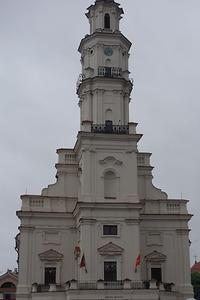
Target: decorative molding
(155,256)
(154,238)
(51,237)
(110,249)
(51,255)
(26,228)
(133,221)
(132,151)
(86,149)
(111,160)
(87,221)
(182,231)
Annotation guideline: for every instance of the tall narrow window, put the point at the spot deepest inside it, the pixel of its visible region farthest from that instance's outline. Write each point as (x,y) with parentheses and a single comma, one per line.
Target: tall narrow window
(110,185)
(107,21)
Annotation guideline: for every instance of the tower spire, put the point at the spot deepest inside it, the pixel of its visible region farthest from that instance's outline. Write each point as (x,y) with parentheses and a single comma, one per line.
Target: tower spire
(105,87)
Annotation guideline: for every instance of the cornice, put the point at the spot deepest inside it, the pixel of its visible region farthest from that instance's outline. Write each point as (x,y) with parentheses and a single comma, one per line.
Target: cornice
(165,200)
(105,34)
(106,136)
(87,221)
(67,165)
(163,217)
(144,168)
(132,221)
(106,205)
(27,228)
(107,79)
(92,80)
(182,231)
(43,214)
(61,150)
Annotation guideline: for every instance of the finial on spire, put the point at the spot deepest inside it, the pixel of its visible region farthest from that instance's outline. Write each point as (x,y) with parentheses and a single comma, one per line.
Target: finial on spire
(106,1)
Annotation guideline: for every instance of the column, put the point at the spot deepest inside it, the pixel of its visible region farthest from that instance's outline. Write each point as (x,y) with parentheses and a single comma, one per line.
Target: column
(25,261)
(183,262)
(87,243)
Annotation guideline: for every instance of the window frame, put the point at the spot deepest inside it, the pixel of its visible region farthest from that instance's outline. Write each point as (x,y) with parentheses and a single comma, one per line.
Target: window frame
(110,235)
(110,183)
(107,21)
(152,265)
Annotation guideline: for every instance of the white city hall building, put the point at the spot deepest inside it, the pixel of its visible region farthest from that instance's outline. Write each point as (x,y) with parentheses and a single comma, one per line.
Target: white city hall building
(103,231)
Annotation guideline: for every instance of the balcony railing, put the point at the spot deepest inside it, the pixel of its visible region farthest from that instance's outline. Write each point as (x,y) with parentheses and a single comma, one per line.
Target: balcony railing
(108,127)
(113,285)
(105,285)
(87,285)
(112,72)
(109,72)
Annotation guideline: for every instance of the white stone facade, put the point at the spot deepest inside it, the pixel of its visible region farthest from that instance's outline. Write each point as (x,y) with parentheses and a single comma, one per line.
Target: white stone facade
(81,237)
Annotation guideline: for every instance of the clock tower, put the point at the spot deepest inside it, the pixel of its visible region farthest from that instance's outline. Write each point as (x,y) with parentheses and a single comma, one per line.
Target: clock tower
(104,87)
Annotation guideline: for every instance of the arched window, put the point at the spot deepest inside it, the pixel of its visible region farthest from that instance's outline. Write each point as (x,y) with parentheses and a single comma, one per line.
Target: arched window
(110,185)
(107,21)
(8,285)
(109,115)
(108,62)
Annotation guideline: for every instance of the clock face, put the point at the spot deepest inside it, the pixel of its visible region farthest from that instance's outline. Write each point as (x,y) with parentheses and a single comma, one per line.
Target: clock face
(108,51)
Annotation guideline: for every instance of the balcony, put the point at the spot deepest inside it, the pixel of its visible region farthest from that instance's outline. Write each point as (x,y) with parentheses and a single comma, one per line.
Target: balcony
(112,72)
(165,206)
(47,204)
(103,285)
(109,128)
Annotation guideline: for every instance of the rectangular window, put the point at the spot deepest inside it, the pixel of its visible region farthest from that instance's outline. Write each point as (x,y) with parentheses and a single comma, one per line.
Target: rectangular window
(110,271)
(109,229)
(50,275)
(101,71)
(156,274)
(108,72)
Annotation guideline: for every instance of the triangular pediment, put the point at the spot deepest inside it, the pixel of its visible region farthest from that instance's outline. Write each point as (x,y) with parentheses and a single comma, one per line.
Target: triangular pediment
(50,255)
(110,249)
(110,160)
(155,256)
(9,276)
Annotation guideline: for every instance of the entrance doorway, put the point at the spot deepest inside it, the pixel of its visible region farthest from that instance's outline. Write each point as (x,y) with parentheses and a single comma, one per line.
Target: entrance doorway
(110,271)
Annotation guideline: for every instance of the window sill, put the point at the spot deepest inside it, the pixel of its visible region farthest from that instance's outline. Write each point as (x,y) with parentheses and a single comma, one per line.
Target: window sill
(110,236)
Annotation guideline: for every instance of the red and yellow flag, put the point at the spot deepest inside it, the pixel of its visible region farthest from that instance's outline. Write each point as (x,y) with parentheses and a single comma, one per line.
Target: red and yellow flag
(137,262)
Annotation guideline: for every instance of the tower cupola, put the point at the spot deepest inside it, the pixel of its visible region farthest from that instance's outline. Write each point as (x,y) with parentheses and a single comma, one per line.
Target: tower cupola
(104,86)
(104,15)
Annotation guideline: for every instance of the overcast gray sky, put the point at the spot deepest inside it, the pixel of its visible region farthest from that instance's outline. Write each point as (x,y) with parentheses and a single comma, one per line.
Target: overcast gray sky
(39,66)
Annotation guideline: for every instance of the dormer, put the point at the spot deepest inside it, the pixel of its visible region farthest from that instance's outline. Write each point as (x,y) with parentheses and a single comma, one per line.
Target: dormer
(104,15)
